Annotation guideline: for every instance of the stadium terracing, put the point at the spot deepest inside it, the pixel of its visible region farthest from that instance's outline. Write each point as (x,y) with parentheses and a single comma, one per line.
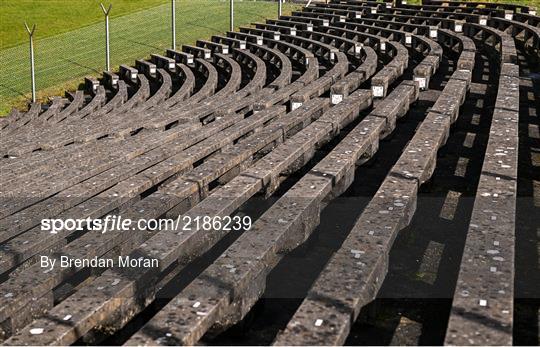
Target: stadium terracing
(396,111)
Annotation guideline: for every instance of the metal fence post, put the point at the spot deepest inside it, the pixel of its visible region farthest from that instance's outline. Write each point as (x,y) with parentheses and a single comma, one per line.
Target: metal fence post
(107,48)
(173,26)
(279,8)
(32,66)
(232,14)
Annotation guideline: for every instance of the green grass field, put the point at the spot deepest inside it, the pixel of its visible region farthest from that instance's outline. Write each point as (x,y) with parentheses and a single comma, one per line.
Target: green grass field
(65,51)
(54,17)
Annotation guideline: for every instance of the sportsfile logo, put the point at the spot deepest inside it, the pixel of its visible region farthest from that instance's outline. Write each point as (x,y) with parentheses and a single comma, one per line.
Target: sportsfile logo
(117,223)
(109,223)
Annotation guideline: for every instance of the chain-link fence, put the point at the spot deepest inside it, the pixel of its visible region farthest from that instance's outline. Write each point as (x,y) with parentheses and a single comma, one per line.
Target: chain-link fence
(63,59)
